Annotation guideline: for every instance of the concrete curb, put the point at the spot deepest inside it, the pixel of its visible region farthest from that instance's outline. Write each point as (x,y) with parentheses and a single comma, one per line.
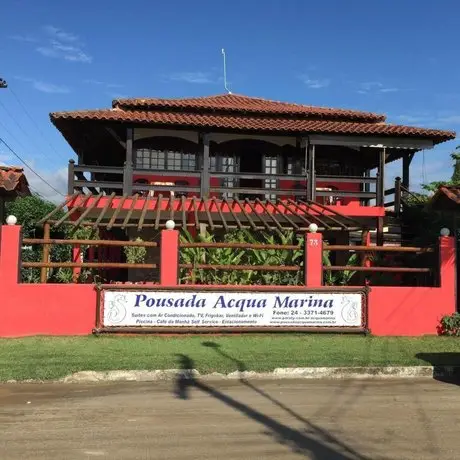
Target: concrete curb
(278,374)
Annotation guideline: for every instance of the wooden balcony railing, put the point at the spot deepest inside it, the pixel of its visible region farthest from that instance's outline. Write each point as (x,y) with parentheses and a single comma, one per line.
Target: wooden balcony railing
(113,179)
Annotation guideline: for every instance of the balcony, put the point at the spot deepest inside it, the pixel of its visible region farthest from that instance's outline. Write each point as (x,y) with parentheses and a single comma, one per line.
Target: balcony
(331,190)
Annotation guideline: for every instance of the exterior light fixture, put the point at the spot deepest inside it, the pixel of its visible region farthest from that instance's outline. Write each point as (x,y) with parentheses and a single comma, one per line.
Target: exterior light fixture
(444,231)
(11,220)
(170,224)
(312,228)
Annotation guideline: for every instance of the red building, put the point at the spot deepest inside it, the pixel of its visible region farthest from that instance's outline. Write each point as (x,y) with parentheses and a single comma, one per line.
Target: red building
(217,160)
(222,163)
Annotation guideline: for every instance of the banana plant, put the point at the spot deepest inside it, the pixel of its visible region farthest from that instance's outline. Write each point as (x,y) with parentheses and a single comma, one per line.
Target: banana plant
(340,278)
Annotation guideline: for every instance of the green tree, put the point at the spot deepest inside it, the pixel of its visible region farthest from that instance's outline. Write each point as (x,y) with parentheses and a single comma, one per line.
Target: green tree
(455,178)
(29,211)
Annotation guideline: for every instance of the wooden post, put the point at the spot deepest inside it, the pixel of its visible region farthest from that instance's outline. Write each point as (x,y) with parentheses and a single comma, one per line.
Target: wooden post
(381,178)
(367,186)
(46,253)
(71,178)
(380,236)
(306,146)
(397,204)
(128,167)
(365,260)
(205,179)
(2,210)
(406,161)
(311,189)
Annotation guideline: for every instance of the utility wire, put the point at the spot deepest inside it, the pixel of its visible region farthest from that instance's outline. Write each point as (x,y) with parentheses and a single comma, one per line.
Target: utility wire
(12,135)
(30,167)
(22,129)
(34,122)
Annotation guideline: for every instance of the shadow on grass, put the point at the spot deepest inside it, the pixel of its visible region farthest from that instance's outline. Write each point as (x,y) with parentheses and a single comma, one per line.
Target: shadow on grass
(310,441)
(446,366)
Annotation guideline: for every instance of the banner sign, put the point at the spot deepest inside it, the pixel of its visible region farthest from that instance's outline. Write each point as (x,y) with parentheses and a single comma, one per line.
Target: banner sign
(175,308)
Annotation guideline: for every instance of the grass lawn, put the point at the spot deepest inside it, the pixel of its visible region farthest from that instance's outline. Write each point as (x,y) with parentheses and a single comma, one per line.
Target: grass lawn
(55,357)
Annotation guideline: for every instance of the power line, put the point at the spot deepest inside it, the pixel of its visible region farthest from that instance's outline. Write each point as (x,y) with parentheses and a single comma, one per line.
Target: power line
(34,190)
(30,167)
(33,122)
(12,135)
(22,129)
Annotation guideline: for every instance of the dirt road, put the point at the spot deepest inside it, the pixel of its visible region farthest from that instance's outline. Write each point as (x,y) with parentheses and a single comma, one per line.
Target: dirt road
(331,420)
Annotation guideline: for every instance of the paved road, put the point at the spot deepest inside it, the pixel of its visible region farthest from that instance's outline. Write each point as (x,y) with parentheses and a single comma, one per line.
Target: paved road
(231,420)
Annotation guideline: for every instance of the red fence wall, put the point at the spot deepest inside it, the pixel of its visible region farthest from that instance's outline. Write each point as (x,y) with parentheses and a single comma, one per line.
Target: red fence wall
(70,309)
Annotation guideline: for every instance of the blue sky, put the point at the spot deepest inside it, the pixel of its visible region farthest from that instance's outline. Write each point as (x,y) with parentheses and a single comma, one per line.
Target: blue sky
(400,58)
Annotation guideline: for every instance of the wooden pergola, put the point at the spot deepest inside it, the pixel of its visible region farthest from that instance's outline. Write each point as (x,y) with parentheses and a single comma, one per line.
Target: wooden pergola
(112,211)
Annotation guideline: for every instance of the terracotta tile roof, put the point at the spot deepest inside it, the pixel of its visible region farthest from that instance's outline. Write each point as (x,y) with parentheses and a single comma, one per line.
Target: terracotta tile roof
(235,103)
(452,192)
(251,123)
(13,181)
(447,197)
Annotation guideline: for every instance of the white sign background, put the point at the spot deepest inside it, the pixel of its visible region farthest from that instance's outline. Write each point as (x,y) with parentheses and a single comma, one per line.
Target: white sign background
(231,309)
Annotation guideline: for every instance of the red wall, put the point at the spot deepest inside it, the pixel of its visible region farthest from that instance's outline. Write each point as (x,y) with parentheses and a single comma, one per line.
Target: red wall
(70,309)
(31,309)
(416,310)
(283,184)
(49,309)
(408,311)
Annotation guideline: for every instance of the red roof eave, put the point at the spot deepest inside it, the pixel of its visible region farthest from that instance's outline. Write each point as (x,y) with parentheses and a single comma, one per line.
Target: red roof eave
(252,123)
(236,103)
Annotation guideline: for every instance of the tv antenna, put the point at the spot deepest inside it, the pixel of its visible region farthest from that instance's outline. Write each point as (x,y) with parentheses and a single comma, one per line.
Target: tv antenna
(225,72)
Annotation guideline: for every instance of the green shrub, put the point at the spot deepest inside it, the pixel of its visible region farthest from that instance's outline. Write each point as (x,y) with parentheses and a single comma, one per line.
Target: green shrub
(135,254)
(450,325)
(230,256)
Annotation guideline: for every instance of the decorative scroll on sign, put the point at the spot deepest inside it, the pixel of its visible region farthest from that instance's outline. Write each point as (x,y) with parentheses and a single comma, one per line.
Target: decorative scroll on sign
(164,308)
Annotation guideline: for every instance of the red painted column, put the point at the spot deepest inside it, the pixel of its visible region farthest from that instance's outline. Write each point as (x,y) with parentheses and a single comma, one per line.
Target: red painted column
(447,256)
(169,258)
(10,247)
(313,260)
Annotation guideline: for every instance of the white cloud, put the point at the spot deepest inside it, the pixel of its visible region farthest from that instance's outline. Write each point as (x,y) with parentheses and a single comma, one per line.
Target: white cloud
(117,96)
(23,38)
(50,88)
(412,118)
(451,119)
(60,34)
(5,159)
(56,178)
(59,44)
(63,45)
(370,85)
(388,90)
(45,87)
(56,49)
(375,87)
(90,81)
(315,83)
(192,77)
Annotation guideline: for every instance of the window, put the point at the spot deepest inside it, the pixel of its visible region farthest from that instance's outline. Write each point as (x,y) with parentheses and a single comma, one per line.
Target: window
(150,159)
(174,161)
(294,166)
(165,160)
(189,161)
(224,163)
(271,167)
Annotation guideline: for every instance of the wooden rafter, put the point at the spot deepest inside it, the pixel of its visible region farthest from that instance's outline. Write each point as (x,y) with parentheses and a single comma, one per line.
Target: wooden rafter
(228,214)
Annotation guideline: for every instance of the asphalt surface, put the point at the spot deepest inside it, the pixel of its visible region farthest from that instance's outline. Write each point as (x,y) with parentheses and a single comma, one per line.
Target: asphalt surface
(231,420)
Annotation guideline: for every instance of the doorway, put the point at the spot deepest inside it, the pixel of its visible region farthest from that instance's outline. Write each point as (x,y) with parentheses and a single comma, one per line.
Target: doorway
(250,162)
